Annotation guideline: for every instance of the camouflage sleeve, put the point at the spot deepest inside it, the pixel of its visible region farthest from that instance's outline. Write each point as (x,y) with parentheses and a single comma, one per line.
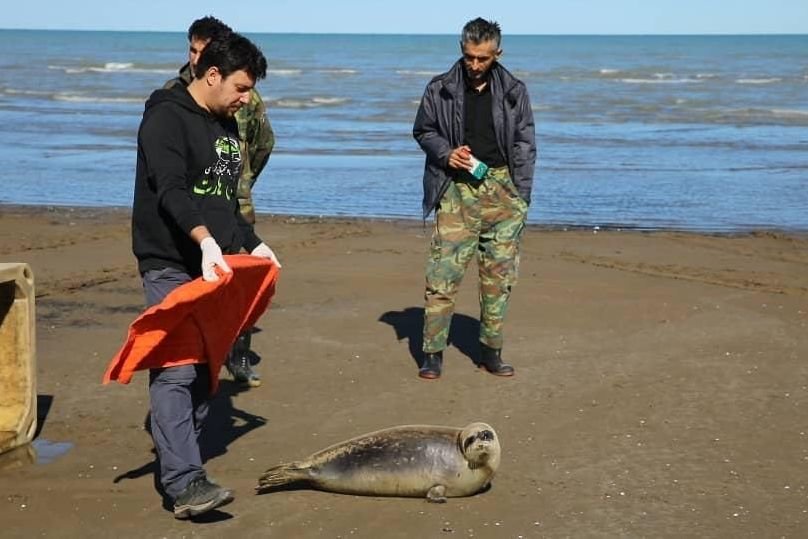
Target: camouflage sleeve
(184,77)
(259,139)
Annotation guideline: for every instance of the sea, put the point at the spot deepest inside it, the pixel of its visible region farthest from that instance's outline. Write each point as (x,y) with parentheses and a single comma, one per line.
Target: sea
(692,133)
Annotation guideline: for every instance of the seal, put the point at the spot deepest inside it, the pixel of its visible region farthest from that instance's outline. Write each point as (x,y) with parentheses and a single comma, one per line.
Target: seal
(409,461)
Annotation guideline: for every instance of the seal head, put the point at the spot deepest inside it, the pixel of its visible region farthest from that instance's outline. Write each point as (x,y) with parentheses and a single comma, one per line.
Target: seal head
(480,446)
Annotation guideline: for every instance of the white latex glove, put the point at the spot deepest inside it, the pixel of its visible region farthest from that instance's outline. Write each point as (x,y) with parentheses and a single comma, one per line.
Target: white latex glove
(212,257)
(264,251)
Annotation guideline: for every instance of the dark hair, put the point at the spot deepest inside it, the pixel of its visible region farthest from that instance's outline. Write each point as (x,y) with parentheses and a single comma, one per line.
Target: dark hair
(208,28)
(231,53)
(480,30)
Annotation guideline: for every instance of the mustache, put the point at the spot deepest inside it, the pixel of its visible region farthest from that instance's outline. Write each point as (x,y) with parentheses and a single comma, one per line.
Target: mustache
(476,75)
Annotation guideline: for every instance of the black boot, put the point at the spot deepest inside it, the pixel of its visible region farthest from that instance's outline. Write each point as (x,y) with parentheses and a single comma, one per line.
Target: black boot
(239,361)
(431,366)
(491,361)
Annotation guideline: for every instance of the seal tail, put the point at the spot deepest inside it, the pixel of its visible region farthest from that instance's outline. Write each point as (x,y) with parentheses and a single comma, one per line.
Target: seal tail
(282,474)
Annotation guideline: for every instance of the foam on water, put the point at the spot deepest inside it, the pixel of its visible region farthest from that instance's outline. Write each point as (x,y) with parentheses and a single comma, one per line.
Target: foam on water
(307,103)
(96,99)
(661,81)
(113,67)
(285,72)
(771,80)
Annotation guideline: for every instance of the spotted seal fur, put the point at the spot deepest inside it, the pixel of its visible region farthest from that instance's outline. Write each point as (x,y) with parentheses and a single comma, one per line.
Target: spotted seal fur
(412,461)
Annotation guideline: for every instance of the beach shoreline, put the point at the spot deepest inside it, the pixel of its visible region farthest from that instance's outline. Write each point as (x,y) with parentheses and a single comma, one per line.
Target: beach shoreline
(660,387)
(92,211)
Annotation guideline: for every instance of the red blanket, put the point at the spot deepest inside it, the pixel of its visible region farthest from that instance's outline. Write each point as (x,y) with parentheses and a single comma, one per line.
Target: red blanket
(198,322)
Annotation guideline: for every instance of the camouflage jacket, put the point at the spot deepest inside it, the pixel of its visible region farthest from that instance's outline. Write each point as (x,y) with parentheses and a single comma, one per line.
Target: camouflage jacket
(254,129)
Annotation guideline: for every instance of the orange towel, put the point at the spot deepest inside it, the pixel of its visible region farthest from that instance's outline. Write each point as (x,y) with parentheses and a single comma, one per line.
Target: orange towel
(197,322)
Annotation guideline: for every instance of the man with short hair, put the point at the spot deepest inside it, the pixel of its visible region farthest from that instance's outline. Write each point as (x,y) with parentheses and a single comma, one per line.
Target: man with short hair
(475,125)
(185,215)
(256,140)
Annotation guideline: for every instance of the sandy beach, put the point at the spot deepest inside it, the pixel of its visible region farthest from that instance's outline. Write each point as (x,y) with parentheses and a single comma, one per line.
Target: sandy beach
(661,386)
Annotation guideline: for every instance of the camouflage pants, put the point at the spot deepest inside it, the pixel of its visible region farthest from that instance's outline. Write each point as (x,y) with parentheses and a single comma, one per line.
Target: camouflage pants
(483,217)
(245,202)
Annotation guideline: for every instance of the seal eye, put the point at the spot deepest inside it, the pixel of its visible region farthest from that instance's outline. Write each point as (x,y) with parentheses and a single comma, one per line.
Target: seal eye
(485,435)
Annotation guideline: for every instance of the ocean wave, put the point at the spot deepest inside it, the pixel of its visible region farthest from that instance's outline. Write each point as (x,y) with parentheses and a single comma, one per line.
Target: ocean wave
(417,72)
(631,76)
(112,67)
(759,116)
(660,81)
(330,100)
(674,111)
(78,98)
(66,96)
(621,74)
(285,72)
(312,102)
(339,71)
(15,91)
(771,80)
(790,113)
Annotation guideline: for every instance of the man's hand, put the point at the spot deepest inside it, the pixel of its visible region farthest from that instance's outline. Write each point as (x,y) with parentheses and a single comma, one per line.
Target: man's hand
(264,251)
(459,158)
(212,257)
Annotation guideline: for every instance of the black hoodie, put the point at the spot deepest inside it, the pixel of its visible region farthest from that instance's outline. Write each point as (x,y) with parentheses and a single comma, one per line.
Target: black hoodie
(188,165)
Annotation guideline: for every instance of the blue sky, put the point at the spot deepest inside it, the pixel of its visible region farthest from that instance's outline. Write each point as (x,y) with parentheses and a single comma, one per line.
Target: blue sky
(422,16)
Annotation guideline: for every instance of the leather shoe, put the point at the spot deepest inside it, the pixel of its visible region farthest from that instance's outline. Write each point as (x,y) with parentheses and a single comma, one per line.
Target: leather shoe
(491,361)
(431,366)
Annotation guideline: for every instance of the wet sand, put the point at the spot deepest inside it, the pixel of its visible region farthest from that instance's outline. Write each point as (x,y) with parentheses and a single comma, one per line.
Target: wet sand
(661,386)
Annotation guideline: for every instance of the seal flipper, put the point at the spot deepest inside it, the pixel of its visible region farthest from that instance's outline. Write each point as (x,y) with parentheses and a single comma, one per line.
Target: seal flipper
(283,474)
(437,494)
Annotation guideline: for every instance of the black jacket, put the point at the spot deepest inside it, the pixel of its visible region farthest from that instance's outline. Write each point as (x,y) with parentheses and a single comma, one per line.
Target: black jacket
(188,165)
(439,129)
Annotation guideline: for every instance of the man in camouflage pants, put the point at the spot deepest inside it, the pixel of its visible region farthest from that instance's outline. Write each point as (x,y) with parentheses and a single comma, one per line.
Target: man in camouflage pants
(476,111)
(256,142)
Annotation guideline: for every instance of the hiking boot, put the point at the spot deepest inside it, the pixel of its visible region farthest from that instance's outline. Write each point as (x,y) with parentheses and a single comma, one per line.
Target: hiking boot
(240,361)
(491,361)
(200,496)
(431,366)
(240,369)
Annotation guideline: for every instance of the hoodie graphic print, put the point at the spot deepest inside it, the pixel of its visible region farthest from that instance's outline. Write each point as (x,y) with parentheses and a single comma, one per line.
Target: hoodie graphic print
(221,178)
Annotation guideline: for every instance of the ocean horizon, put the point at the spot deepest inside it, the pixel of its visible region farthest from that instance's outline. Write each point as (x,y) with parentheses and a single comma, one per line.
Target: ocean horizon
(666,132)
(451,34)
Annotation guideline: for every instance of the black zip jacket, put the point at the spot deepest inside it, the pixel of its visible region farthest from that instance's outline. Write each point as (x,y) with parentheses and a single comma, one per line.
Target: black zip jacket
(188,165)
(439,126)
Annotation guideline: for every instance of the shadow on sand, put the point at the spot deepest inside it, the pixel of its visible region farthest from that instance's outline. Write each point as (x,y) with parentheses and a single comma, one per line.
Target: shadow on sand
(225,423)
(409,324)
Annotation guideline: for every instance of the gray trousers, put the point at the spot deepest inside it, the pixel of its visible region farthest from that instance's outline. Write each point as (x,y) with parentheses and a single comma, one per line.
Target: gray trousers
(179,401)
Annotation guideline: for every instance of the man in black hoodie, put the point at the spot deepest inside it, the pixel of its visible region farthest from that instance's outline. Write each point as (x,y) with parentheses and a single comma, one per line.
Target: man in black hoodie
(185,215)
(256,142)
